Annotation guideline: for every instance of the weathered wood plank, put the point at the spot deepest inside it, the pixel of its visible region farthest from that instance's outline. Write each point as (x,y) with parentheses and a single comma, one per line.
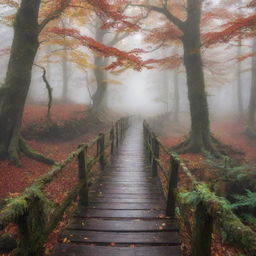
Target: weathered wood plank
(124,225)
(135,190)
(160,238)
(95,213)
(126,195)
(82,250)
(128,179)
(125,200)
(127,206)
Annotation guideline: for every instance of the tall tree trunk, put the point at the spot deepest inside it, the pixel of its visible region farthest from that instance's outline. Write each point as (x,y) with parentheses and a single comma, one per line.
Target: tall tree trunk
(65,70)
(200,132)
(65,76)
(100,76)
(252,103)
(176,102)
(14,92)
(239,83)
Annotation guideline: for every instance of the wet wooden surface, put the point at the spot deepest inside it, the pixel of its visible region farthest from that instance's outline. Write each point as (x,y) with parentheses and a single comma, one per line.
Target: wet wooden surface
(125,216)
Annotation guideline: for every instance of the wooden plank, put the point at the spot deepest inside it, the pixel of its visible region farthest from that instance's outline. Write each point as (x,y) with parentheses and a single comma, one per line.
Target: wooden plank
(122,182)
(124,225)
(124,200)
(83,250)
(125,173)
(125,195)
(128,179)
(134,190)
(127,206)
(160,238)
(125,185)
(90,213)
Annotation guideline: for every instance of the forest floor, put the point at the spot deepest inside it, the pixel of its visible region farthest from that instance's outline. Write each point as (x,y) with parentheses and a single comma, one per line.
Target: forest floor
(22,177)
(57,150)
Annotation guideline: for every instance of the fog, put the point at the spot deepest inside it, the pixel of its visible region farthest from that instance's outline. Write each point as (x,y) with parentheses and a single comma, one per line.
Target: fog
(114,112)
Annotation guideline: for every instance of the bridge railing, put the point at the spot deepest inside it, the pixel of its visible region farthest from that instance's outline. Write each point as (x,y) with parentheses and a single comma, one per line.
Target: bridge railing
(209,210)
(30,211)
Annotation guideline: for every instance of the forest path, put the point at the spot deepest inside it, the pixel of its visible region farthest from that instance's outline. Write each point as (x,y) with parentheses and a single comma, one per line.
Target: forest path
(125,216)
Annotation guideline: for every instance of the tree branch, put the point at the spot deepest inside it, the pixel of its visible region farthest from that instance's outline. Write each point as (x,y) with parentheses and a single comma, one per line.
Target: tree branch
(163,10)
(49,90)
(54,15)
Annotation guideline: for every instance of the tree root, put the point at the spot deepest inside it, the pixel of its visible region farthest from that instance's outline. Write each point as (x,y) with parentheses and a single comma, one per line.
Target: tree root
(34,154)
(190,146)
(224,148)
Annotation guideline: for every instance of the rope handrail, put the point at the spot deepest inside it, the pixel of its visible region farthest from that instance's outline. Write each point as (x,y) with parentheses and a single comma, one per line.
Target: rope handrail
(209,208)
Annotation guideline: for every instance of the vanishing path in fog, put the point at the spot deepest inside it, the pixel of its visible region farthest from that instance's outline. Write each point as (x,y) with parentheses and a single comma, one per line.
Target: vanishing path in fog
(125,216)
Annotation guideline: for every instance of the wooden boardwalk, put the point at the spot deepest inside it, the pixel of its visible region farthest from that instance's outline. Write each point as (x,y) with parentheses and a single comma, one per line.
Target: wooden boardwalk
(126,212)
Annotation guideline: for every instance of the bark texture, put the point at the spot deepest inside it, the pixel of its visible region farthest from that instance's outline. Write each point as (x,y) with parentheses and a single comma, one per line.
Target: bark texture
(14,92)
(200,138)
(18,77)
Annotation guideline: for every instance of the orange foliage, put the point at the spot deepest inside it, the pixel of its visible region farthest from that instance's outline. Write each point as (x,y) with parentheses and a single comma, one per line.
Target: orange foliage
(126,59)
(164,34)
(170,62)
(242,27)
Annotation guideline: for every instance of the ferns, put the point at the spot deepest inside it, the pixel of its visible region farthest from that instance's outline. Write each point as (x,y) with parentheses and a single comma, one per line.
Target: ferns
(248,200)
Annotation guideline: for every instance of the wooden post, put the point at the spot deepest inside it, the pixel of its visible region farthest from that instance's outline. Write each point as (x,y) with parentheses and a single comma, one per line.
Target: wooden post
(31,228)
(82,164)
(173,181)
(202,234)
(112,137)
(155,146)
(101,149)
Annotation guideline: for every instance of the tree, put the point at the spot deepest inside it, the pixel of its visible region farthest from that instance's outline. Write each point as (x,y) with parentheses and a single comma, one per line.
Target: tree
(190,37)
(14,92)
(100,62)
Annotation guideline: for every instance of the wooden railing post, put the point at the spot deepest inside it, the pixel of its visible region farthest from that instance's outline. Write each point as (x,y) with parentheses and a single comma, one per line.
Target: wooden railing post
(155,146)
(202,234)
(82,175)
(173,181)
(102,149)
(31,228)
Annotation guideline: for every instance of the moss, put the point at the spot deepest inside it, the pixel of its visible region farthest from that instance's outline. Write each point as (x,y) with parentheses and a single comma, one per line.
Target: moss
(220,210)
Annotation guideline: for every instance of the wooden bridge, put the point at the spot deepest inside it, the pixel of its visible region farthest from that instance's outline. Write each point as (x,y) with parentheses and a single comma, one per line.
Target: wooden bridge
(126,209)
